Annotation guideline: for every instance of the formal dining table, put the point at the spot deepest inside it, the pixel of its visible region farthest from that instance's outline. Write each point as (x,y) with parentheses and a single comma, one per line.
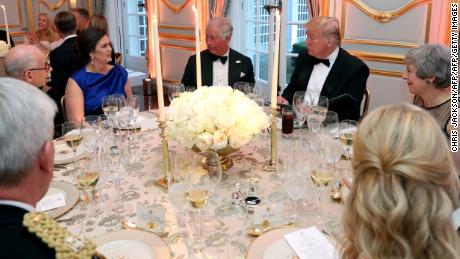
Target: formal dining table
(229,228)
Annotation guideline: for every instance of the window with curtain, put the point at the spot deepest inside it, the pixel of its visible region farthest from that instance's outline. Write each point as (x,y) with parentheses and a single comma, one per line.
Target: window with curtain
(256,36)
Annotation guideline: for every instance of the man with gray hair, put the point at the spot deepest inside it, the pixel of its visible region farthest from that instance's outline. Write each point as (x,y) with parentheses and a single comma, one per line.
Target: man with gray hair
(326,69)
(220,65)
(28,63)
(26,164)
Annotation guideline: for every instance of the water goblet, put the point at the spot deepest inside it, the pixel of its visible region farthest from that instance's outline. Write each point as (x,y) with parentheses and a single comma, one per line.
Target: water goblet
(295,188)
(175,90)
(347,130)
(177,193)
(300,108)
(241,86)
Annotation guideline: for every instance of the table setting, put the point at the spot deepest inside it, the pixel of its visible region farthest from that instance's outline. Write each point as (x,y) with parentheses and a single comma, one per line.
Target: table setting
(245,209)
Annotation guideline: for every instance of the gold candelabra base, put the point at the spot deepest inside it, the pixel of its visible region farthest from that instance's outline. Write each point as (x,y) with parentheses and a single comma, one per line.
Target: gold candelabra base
(273,164)
(167,179)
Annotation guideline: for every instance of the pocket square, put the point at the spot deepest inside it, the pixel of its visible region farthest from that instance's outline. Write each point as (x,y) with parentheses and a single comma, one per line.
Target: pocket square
(238,61)
(242,74)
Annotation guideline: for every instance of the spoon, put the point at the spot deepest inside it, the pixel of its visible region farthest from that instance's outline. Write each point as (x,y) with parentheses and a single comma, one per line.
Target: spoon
(259,229)
(128,224)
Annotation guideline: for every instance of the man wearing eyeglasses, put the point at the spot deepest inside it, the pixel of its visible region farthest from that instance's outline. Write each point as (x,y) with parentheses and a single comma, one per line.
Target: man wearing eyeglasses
(28,63)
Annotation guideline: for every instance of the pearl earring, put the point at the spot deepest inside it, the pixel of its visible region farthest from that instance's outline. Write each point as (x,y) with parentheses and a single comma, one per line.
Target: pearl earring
(92,60)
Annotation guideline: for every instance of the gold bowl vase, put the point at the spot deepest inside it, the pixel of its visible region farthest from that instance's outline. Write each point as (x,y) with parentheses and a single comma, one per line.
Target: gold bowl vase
(226,161)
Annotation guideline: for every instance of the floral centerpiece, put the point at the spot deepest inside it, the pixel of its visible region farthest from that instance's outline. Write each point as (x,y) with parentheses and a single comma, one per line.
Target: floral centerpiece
(4,48)
(215,118)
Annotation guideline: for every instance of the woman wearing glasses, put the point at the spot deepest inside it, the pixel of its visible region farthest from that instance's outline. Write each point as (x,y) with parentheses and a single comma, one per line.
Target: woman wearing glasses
(95,78)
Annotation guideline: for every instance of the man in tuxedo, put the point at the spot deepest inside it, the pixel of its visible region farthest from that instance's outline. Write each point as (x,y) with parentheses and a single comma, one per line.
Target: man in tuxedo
(82,18)
(28,63)
(4,38)
(63,59)
(26,164)
(328,70)
(220,65)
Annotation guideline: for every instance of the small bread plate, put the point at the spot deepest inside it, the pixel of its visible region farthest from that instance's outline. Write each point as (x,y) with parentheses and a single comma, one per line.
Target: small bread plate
(70,193)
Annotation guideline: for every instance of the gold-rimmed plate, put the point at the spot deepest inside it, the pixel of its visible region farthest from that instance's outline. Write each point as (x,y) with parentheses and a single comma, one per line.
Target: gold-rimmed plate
(71,196)
(131,244)
(63,154)
(271,245)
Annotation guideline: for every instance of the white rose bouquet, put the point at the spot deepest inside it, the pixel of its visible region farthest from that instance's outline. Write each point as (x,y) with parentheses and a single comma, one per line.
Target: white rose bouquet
(4,48)
(212,118)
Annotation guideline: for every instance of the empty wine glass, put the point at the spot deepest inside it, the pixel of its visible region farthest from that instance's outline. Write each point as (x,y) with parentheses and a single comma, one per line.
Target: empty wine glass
(175,90)
(331,124)
(241,86)
(177,193)
(295,188)
(300,108)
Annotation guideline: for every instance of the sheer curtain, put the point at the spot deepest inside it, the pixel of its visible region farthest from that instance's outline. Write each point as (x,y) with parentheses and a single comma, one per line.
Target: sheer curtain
(218,8)
(314,7)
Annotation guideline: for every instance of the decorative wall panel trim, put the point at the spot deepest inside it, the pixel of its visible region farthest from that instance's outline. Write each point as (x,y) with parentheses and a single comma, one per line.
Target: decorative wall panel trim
(165,45)
(176,8)
(176,27)
(382,17)
(380,57)
(20,22)
(177,36)
(386,73)
(386,16)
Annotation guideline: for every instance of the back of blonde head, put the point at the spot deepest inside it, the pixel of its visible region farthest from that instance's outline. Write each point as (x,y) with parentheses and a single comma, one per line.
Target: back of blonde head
(404,188)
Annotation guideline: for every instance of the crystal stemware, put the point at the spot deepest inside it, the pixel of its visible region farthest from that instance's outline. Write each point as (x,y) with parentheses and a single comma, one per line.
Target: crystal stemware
(71,132)
(175,90)
(299,105)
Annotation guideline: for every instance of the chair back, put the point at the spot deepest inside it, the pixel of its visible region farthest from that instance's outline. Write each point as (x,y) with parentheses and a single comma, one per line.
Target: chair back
(118,58)
(365,103)
(64,115)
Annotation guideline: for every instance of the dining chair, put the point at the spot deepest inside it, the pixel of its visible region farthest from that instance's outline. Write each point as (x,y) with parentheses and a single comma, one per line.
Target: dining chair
(365,103)
(64,114)
(118,58)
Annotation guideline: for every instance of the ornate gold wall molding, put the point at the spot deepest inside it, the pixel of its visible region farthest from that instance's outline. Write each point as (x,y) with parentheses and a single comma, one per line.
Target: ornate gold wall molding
(51,6)
(177,36)
(386,16)
(386,73)
(379,57)
(176,8)
(20,22)
(393,15)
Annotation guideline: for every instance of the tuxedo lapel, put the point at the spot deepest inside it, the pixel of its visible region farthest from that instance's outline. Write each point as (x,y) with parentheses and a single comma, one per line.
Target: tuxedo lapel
(305,74)
(234,68)
(333,76)
(206,68)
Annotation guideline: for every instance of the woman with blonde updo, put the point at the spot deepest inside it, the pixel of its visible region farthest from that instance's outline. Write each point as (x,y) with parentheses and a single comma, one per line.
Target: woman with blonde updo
(404,188)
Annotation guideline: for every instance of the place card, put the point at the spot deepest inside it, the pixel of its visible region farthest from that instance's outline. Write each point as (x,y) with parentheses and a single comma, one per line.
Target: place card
(150,216)
(270,212)
(310,243)
(51,201)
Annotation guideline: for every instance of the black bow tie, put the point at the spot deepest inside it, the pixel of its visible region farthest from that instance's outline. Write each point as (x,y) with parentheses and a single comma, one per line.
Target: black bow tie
(222,59)
(324,61)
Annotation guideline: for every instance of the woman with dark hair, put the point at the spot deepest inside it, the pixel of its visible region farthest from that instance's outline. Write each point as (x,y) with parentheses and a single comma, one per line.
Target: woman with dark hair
(95,78)
(99,21)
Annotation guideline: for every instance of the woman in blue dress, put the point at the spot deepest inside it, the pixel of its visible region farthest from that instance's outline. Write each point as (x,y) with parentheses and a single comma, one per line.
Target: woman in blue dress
(95,78)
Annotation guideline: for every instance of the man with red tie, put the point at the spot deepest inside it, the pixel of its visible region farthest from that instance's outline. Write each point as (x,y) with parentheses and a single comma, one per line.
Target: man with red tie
(328,70)
(220,65)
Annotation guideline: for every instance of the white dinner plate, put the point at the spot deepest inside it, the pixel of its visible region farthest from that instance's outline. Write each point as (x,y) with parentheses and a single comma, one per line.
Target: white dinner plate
(71,196)
(63,154)
(132,244)
(272,245)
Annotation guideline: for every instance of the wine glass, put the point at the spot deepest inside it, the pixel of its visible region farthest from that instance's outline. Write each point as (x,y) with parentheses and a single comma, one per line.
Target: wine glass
(177,193)
(347,129)
(175,90)
(71,132)
(321,106)
(241,86)
(300,108)
(210,161)
(109,105)
(295,188)
(331,124)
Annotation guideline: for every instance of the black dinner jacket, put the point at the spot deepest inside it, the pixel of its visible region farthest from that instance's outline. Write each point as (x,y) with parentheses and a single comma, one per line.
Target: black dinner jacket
(4,38)
(239,69)
(63,60)
(344,85)
(16,241)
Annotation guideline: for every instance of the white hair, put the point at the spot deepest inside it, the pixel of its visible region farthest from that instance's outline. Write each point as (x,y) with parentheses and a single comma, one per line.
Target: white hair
(26,122)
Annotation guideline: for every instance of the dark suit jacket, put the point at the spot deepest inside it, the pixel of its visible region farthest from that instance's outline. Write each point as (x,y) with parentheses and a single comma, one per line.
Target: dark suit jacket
(15,240)
(3,37)
(344,85)
(63,60)
(238,64)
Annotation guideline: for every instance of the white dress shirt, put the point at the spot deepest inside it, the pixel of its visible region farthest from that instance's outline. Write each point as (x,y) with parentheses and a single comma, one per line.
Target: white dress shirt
(18,204)
(319,75)
(220,71)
